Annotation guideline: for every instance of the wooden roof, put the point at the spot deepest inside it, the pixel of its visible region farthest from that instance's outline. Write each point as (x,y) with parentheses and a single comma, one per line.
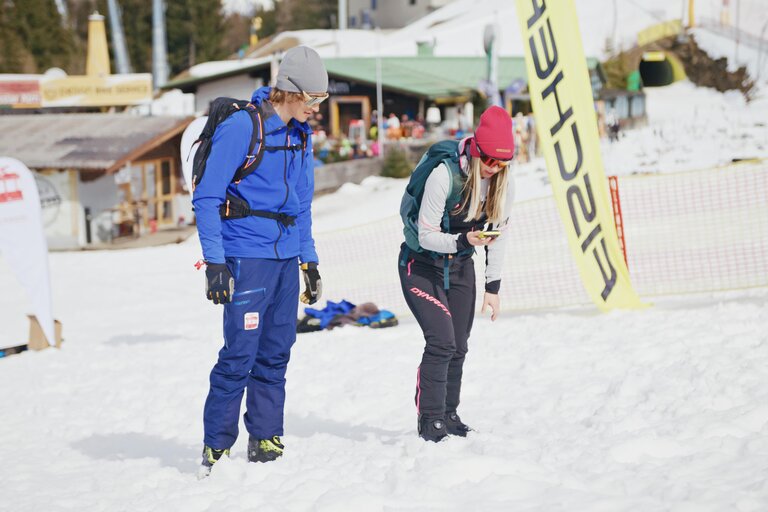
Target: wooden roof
(103,142)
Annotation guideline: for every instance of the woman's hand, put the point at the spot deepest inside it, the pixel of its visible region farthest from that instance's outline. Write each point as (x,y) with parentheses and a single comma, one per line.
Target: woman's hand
(492,301)
(474,239)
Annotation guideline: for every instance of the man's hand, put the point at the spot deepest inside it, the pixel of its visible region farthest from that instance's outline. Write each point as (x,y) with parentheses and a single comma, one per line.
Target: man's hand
(219,283)
(492,301)
(313,285)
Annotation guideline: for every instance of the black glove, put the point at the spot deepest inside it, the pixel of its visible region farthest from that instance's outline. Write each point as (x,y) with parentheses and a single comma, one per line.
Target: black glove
(219,283)
(312,282)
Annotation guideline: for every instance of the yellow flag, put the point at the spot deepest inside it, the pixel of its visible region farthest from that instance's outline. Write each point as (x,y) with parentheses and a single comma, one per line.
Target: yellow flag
(561,95)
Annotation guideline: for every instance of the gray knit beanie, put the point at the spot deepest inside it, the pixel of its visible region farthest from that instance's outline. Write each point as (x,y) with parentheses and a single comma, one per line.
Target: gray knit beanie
(302,65)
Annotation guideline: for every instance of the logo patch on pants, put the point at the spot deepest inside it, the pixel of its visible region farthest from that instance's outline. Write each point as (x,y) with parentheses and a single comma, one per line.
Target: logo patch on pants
(251,321)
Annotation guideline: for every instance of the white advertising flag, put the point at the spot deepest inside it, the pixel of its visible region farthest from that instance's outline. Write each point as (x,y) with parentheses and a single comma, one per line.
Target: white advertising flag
(22,241)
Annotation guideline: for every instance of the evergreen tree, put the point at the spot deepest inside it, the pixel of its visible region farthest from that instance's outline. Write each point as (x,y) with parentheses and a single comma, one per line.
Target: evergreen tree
(207,27)
(49,42)
(396,164)
(137,25)
(268,22)
(238,32)
(298,14)
(616,70)
(194,31)
(33,39)
(179,29)
(12,51)
(33,28)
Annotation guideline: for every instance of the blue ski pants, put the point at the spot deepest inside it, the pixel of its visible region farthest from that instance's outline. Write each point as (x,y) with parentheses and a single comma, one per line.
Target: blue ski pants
(259,331)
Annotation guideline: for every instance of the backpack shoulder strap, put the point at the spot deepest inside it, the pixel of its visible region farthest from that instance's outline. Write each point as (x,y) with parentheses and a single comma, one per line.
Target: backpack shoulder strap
(256,146)
(455,187)
(447,153)
(304,139)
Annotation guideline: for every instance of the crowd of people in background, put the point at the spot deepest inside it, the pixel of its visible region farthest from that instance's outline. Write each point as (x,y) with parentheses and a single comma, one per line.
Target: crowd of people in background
(526,142)
(396,127)
(360,141)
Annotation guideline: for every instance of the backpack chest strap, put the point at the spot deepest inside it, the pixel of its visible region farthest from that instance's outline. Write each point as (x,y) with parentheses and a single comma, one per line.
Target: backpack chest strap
(235,208)
(292,147)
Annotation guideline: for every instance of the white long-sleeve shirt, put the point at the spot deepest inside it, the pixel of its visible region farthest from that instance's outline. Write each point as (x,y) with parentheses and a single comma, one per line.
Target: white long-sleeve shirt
(432,209)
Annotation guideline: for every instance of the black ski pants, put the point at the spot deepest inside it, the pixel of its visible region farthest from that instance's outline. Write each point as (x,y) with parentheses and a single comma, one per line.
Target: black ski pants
(445,317)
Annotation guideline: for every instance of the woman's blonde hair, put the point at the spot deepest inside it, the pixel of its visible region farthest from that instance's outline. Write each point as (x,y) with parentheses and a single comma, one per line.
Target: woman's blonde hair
(278,97)
(493,207)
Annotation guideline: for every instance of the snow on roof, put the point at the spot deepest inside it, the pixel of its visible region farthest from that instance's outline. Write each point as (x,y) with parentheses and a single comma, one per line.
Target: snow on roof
(328,43)
(12,77)
(218,67)
(456,30)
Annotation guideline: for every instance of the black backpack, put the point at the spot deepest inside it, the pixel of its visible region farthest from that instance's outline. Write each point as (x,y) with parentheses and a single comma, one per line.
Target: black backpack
(220,109)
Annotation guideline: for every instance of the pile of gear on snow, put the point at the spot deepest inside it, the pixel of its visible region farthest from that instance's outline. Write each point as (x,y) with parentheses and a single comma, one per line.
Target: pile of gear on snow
(336,314)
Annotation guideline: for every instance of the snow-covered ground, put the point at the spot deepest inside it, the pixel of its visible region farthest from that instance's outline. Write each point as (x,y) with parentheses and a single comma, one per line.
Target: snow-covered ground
(663,409)
(689,128)
(660,409)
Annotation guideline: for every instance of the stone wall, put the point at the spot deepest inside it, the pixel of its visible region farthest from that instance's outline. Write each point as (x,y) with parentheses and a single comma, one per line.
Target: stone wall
(329,177)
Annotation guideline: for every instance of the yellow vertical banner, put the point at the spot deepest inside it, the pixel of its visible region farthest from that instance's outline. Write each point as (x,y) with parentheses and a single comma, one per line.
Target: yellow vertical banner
(561,96)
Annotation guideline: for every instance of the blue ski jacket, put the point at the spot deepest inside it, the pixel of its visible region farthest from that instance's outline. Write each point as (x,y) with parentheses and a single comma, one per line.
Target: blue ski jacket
(284,182)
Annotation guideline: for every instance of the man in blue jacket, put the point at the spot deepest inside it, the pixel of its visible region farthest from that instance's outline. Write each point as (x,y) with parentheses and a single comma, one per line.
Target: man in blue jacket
(252,256)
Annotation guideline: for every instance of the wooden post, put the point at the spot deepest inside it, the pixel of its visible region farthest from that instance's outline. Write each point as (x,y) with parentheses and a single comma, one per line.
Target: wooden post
(37,340)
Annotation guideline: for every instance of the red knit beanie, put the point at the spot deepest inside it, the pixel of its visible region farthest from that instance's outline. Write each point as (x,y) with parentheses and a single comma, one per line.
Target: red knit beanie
(494,135)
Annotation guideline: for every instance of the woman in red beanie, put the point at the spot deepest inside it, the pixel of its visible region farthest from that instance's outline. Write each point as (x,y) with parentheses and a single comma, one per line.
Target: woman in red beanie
(458,199)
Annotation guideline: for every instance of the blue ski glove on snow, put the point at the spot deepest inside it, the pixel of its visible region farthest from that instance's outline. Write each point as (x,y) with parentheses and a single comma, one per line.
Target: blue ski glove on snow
(219,284)
(313,285)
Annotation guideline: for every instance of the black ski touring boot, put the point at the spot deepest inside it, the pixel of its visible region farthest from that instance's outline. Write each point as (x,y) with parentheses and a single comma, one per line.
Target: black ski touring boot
(264,450)
(455,426)
(432,429)
(210,456)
